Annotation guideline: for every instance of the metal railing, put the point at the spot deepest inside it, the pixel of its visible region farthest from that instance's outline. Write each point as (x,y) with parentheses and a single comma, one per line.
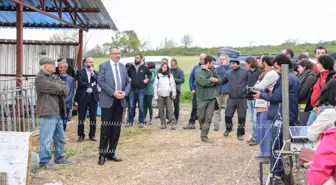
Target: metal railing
(10,82)
(17,109)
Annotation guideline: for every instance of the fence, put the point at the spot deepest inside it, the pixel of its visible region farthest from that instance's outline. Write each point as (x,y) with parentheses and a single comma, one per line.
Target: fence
(17,109)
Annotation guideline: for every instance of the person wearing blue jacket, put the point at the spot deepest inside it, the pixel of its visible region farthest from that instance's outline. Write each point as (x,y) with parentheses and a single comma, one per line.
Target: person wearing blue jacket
(274,112)
(62,69)
(178,75)
(192,86)
(223,90)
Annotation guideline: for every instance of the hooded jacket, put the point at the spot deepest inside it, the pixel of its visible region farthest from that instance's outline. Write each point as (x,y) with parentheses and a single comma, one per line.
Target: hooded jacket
(164,86)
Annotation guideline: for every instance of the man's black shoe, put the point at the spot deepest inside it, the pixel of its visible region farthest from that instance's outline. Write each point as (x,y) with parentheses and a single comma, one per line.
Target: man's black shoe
(101,161)
(114,158)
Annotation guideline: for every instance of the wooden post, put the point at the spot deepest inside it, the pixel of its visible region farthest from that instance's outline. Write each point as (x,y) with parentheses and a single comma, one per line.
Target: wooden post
(285,104)
(80,50)
(3,176)
(287,162)
(19,45)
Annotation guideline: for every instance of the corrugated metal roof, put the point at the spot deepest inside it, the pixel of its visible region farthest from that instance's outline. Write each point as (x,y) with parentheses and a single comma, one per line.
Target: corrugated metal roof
(92,12)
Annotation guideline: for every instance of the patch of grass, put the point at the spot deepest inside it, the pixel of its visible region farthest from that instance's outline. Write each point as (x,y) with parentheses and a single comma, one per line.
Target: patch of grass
(69,153)
(132,132)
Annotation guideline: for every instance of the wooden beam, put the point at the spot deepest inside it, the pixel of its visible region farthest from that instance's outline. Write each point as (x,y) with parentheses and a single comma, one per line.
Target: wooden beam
(59,10)
(78,10)
(49,15)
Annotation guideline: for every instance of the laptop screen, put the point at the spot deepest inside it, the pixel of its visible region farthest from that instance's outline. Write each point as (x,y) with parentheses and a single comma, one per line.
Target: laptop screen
(298,131)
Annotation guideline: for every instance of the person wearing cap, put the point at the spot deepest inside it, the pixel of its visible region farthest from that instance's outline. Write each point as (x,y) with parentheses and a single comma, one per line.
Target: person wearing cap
(237,79)
(50,107)
(207,82)
(325,67)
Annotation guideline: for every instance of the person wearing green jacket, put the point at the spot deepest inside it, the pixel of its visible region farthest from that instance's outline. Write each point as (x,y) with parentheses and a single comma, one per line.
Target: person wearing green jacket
(207,82)
(149,93)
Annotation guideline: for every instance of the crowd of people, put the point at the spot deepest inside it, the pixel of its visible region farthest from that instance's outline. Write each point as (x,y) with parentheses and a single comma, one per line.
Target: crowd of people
(255,89)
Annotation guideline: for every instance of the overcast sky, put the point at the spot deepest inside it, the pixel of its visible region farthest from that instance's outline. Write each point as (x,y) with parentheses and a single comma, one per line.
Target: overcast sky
(214,22)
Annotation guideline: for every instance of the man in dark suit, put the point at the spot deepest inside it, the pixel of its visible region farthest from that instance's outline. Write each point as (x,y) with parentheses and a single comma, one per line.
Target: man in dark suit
(87,96)
(115,86)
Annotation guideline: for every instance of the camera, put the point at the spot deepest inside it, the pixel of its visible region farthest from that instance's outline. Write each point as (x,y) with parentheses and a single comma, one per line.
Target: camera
(253,90)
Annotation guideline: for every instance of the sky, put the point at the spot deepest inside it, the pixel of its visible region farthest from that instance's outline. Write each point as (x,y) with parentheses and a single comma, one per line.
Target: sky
(213,22)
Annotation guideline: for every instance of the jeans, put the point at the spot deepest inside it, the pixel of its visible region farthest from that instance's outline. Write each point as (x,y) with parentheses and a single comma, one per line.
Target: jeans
(136,95)
(148,106)
(253,118)
(264,133)
(312,117)
(51,127)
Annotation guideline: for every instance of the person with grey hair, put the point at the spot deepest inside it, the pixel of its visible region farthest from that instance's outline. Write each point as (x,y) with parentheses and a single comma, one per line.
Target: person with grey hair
(223,90)
(62,70)
(50,107)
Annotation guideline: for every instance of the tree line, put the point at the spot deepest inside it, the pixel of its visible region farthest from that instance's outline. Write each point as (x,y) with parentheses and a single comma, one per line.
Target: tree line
(130,45)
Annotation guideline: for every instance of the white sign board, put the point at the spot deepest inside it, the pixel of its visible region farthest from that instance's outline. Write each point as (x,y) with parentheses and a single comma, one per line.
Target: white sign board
(15,156)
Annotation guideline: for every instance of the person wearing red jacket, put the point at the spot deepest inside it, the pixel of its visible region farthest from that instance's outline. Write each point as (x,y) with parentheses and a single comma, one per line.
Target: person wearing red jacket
(325,66)
(322,171)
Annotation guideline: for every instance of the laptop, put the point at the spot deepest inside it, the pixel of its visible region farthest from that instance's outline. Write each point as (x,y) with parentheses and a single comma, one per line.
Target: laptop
(298,132)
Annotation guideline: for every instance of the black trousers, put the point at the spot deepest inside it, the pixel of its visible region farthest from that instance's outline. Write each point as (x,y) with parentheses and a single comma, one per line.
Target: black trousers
(241,106)
(90,103)
(193,115)
(176,103)
(110,129)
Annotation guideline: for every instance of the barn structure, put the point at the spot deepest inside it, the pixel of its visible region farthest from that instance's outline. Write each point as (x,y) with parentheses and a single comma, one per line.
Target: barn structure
(19,58)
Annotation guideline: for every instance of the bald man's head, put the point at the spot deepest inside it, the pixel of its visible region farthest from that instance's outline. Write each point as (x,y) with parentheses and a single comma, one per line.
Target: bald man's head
(202,57)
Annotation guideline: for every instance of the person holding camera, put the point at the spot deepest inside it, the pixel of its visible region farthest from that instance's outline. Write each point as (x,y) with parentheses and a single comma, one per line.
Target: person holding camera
(266,82)
(165,93)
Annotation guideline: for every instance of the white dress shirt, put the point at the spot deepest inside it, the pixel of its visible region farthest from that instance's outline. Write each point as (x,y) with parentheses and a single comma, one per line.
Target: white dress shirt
(88,73)
(115,74)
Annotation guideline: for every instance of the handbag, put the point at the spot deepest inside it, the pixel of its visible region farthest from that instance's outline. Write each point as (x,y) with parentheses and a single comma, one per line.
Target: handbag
(306,155)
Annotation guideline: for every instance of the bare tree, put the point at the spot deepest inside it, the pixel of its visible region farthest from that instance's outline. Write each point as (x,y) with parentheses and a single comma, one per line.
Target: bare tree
(186,40)
(68,36)
(168,43)
(144,44)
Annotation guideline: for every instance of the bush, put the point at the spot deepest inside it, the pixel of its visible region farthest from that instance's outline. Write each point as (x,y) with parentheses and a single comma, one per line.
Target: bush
(186,97)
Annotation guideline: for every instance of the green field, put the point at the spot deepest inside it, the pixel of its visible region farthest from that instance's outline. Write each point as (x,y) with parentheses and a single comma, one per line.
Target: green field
(185,62)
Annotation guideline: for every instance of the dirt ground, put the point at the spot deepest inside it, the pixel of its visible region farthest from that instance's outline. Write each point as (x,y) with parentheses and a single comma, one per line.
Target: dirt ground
(152,156)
